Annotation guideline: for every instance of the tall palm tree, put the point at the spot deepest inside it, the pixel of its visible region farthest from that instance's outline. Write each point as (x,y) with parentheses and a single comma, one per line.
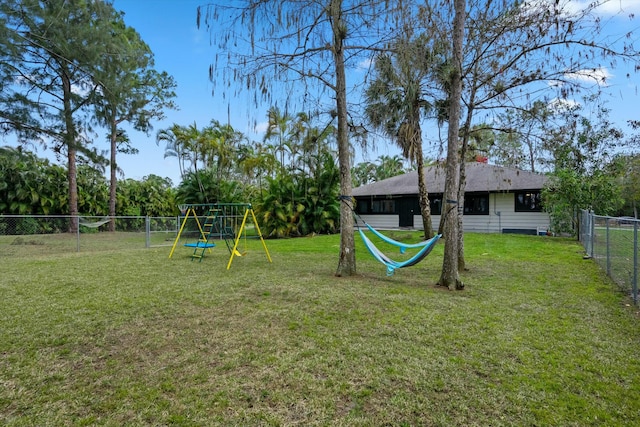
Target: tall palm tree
(277,126)
(256,162)
(227,146)
(397,101)
(176,145)
(388,166)
(189,137)
(363,173)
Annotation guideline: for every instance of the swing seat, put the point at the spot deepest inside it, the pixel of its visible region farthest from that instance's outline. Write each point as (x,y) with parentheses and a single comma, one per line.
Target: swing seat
(200,245)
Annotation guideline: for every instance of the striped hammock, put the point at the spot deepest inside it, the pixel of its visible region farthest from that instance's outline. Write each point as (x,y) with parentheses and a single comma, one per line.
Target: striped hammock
(426,247)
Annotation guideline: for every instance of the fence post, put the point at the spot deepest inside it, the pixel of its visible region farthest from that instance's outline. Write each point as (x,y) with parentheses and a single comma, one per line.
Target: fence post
(608,248)
(147,228)
(77,233)
(634,285)
(592,230)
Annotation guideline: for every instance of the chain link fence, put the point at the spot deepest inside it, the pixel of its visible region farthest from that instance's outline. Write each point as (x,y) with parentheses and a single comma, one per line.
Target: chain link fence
(39,234)
(613,244)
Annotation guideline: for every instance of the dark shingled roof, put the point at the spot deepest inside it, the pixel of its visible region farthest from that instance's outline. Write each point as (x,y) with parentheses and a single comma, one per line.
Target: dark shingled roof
(481,177)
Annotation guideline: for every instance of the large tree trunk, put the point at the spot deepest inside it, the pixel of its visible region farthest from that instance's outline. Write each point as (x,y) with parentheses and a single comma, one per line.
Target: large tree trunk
(73,188)
(70,143)
(462,265)
(347,259)
(463,184)
(423,193)
(425,208)
(449,276)
(113,179)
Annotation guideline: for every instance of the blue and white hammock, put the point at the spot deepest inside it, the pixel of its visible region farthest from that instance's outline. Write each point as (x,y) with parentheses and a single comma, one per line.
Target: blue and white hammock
(425,248)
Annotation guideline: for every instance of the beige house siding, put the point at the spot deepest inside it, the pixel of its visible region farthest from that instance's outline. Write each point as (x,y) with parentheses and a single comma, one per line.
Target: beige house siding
(508,219)
(385,222)
(501,217)
(500,183)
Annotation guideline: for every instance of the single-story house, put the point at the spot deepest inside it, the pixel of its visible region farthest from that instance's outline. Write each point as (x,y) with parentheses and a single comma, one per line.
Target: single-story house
(497,200)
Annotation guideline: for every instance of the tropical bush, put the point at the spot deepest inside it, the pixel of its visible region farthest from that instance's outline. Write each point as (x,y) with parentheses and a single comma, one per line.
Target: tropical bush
(205,187)
(33,186)
(295,205)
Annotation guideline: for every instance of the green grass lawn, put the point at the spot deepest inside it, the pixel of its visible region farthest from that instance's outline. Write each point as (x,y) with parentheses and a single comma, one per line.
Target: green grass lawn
(539,337)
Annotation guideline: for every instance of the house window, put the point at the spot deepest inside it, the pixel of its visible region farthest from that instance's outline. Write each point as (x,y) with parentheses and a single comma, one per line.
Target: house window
(362,206)
(528,201)
(373,206)
(435,203)
(477,204)
(383,206)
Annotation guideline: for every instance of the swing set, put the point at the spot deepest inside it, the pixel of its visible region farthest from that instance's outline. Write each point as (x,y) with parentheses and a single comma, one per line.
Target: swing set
(218,221)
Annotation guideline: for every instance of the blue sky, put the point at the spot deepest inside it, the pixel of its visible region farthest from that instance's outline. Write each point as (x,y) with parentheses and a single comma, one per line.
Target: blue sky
(183,50)
(169,28)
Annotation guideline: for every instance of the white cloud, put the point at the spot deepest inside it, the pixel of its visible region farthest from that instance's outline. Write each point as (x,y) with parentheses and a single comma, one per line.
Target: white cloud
(365,64)
(569,8)
(83,90)
(600,76)
(608,8)
(560,104)
(261,127)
